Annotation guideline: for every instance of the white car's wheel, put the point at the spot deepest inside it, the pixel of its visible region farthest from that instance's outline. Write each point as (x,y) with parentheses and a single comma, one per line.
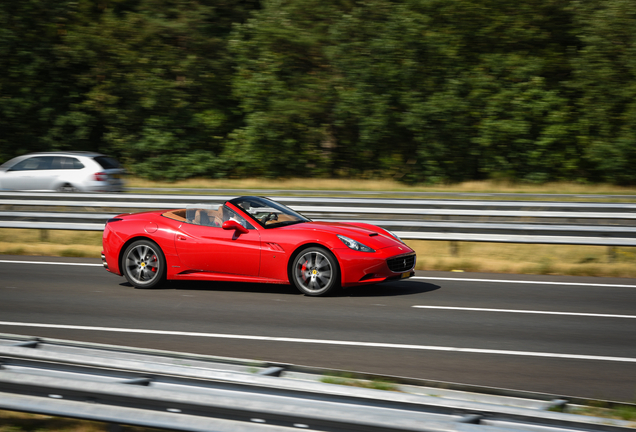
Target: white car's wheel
(67,187)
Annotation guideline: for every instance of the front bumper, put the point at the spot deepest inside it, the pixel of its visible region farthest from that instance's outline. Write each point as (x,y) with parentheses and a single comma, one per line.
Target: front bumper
(360,268)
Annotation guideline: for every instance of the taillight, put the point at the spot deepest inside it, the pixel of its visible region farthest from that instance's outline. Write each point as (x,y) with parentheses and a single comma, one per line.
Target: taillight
(100,176)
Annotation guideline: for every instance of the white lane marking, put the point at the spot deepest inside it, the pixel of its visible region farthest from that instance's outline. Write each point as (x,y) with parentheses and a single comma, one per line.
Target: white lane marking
(524,282)
(525,311)
(325,342)
(52,263)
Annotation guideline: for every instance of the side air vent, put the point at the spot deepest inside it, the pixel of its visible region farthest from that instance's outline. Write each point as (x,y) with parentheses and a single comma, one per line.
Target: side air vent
(275,247)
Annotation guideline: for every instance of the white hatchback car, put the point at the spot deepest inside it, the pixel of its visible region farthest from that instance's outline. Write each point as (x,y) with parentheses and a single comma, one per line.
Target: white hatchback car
(62,171)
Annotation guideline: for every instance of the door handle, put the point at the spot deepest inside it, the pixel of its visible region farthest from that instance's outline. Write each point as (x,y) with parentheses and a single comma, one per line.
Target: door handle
(180,237)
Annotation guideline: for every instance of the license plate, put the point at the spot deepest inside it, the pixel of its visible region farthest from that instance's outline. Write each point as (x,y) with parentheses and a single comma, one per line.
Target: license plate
(405,275)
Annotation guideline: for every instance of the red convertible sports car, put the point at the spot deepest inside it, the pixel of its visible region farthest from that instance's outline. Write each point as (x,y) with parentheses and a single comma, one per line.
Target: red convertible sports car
(251,239)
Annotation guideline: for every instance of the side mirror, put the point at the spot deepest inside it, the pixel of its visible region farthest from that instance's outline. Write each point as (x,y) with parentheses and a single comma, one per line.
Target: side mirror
(234,225)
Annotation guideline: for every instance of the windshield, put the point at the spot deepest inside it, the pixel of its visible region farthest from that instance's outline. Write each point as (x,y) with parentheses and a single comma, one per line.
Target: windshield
(6,165)
(268,213)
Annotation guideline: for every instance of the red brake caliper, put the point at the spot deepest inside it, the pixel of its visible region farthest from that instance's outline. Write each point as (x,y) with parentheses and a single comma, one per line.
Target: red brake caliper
(303,269)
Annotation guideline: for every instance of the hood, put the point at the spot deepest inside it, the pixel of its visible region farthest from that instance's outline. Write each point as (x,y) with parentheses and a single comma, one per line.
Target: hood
(364,233)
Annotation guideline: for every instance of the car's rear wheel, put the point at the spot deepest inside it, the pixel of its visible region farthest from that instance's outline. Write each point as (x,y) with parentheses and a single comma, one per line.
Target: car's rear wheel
(144,264)
(315,272)
(67,187)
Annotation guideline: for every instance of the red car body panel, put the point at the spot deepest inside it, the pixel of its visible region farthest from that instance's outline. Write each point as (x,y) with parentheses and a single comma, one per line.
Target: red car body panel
(195,252)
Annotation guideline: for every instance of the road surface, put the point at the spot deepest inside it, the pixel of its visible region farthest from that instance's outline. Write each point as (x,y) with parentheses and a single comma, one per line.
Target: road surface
(567,336)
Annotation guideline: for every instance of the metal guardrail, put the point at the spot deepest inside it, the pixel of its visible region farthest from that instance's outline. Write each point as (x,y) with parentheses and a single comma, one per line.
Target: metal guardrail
(605,224)
(189,392)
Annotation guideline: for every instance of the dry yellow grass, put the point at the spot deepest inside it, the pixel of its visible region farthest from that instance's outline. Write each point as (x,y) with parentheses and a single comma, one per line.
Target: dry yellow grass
(526,258)
(432,255)
(50,242)
(295,184)
(48,249)
(386,185)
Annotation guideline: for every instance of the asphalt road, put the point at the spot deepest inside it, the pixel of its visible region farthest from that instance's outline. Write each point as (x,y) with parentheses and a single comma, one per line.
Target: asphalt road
(567,336)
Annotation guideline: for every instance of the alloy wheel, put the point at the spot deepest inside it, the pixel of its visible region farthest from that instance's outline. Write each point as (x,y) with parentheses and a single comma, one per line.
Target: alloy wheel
(143,265)
(314,272)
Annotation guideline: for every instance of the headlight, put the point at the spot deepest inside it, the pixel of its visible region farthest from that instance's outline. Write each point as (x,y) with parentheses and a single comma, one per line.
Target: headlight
(393,234)
(352,244)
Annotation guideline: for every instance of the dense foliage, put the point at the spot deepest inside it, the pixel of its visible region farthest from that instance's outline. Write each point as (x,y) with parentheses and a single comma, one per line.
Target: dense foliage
(419,90)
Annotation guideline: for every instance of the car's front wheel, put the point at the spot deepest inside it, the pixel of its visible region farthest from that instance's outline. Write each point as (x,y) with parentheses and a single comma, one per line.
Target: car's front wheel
(144,264)
(315,272)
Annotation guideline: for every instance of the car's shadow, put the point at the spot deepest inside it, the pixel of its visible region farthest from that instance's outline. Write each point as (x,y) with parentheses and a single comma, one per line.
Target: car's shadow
(385,289)
(223,287)
(391,288)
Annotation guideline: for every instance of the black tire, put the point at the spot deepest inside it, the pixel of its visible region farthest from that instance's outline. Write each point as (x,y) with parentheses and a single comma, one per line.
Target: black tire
(144,264)
(315,272)
(67,188)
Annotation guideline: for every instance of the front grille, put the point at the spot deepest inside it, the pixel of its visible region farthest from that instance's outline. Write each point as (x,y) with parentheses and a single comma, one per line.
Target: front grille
(401,264)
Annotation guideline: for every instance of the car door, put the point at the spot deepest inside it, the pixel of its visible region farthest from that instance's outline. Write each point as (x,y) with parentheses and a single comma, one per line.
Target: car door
(213,249)
(44,177)
(65,169)
(26,174)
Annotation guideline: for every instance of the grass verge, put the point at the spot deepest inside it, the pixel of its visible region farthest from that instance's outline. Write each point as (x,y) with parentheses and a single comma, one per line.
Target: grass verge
(387,185)
(431,255)
(50,243)
(619,412)
(349,380)
(572,260)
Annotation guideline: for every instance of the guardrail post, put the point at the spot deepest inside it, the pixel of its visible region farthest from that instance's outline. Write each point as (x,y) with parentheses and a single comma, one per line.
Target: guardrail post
(44,235)
(557,405)
(272,371)
(454,248)
(471,418)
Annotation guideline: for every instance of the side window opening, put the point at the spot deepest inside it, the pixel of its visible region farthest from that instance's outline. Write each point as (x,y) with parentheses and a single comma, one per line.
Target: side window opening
(32,164)
(204,214)
(66,163)
(229,214)
(213,215)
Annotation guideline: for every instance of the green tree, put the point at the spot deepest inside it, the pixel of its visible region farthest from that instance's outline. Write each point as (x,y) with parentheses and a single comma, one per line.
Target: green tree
(284,82)
(33,91)
(420,90)
(423,90)
(155,85)
(459,90)
(605,79)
